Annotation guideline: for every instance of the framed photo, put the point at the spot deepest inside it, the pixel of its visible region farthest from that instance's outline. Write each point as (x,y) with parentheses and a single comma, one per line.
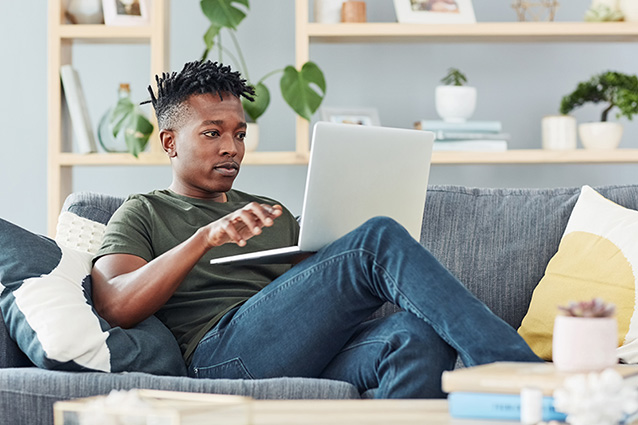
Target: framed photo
(434,11)
(360,116)
(126,12)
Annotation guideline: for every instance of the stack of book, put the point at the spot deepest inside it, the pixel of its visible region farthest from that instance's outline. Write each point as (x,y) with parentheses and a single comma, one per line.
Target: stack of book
(493,391)
(466,136)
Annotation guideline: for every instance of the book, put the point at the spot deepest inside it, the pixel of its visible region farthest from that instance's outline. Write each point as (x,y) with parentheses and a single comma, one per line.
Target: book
(474,126)
(78,111)
(471,145)
(496,406)
(512,377)
(469,135)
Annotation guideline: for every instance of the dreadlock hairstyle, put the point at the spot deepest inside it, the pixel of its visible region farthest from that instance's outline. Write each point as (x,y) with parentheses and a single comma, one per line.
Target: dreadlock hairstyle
(195,78)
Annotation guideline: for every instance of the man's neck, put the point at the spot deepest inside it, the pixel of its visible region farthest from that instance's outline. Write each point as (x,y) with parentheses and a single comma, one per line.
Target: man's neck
(198,194)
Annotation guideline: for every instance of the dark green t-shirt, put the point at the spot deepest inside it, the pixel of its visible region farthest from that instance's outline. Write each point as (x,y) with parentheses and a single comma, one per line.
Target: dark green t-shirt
(148,225)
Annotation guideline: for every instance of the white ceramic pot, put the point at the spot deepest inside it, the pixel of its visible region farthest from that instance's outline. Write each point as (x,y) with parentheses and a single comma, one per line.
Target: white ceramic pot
(582,344)
(455,103)
(600,135)
(328,11)
(251,141)
(629,8)
(85,11)
(559,132)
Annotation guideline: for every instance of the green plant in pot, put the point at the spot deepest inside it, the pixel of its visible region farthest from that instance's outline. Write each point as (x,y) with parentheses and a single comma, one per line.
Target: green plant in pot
(454,100)
(124,127)
(303,90)
(616,90)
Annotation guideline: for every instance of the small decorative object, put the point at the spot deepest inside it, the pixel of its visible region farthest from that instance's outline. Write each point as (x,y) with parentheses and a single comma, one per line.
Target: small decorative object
(585,337)
(85,12)
(124,127)
(76,103)
(596,399)
(434,11)
(629,9)
(303,89)
(455,102)
(126,12)
(360,116)
(543,10)
(353,11)
(614,88)
(559,132)
(251,141)
(604,11)
(328,11)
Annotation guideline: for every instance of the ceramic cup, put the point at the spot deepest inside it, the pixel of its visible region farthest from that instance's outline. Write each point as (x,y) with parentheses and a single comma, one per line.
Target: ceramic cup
(328,11)
(559,132)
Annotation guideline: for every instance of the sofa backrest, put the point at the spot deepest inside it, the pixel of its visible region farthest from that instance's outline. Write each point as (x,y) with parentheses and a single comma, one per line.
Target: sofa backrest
(498,242)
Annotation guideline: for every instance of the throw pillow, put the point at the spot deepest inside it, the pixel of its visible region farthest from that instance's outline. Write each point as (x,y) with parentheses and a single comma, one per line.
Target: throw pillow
(597,257)
(45,301)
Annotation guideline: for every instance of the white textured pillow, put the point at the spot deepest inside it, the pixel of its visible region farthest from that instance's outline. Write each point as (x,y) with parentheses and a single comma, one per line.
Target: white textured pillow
(79,233)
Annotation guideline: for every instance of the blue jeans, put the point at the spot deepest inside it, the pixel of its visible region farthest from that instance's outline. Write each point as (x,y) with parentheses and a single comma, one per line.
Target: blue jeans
(312,321)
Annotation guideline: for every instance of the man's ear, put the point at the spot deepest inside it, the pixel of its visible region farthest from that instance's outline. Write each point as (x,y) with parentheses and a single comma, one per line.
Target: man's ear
(167,138)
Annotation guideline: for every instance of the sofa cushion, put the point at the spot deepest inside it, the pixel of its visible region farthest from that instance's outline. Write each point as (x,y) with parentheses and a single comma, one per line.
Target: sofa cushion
(597,257)
(46,306)
(498,241)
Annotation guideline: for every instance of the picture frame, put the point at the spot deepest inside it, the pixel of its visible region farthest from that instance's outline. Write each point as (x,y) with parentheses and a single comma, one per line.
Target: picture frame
(360,116)
(435,11)
(126,12)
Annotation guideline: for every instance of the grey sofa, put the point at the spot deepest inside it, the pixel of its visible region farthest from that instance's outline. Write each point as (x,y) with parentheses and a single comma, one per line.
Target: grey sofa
(497,241)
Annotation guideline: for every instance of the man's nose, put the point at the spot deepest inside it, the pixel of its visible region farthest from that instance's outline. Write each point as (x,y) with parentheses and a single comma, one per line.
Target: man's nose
(228,145)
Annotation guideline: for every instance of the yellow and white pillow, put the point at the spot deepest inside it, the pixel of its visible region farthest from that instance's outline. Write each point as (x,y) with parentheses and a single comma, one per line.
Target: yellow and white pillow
(597,257)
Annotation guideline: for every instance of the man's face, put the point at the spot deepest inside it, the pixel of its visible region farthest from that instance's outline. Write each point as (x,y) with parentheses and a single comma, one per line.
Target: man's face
(208,148)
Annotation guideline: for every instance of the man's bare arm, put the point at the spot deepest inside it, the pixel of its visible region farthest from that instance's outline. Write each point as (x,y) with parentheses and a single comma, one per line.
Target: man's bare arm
(127,289)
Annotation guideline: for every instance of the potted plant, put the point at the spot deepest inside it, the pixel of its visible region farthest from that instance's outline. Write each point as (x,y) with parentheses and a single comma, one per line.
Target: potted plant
(615,89)
(298,87)
(585,336)
(455,102)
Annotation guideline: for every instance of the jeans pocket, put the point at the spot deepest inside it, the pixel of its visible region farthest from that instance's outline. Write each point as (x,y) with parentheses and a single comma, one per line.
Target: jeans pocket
(230,369)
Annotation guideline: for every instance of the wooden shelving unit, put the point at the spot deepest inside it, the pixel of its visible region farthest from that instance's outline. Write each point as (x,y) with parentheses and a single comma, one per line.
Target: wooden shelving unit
(484,32)
(62,36)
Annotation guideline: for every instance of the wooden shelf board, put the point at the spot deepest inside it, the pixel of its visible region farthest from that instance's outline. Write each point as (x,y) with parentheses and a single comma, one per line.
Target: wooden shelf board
(106,34)
(479,32)
(538,156)
(149,158)
(514,156)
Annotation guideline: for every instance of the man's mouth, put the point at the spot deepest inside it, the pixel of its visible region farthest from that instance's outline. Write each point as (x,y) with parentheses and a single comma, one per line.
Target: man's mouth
(227,169)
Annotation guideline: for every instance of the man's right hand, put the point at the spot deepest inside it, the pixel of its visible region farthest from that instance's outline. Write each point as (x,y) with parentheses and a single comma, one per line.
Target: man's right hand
(241,225)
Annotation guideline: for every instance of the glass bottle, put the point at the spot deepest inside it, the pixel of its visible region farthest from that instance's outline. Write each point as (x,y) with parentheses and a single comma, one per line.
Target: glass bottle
(108,141)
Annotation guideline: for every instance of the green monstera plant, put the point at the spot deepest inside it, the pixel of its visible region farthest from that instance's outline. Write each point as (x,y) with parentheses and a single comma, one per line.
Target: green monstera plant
(298,87)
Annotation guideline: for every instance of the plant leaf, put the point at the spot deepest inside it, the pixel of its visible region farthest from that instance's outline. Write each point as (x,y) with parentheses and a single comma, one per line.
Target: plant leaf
(255,109)
(122,110)
(297,91)
(137,131)
(209,39)
(223,13)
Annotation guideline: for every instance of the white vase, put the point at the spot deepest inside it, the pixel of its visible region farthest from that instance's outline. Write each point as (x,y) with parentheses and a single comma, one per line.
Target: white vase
(559,132)
(328,11)
(455,103)
(251,141)
(582,344)
(629,8)
(600,135)
(85,11)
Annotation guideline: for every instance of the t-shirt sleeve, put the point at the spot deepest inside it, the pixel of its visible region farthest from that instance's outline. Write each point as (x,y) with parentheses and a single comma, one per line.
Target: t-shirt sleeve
(129,231)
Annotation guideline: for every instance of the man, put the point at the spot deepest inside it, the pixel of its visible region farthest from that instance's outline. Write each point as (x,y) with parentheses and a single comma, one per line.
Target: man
(267,321)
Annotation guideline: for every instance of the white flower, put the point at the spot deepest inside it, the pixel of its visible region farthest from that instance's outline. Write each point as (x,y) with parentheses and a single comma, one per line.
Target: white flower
(596,398)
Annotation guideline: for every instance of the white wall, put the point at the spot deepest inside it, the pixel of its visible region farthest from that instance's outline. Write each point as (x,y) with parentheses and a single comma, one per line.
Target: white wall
(517,84)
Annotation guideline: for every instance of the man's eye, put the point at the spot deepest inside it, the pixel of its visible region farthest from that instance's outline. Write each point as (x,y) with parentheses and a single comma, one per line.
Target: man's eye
(241,136)
(212,133)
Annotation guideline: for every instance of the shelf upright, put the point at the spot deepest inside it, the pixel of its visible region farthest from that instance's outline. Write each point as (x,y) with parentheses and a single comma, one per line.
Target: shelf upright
(60,43)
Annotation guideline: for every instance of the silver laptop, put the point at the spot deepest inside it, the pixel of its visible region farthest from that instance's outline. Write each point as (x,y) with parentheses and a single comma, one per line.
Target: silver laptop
(356,173)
